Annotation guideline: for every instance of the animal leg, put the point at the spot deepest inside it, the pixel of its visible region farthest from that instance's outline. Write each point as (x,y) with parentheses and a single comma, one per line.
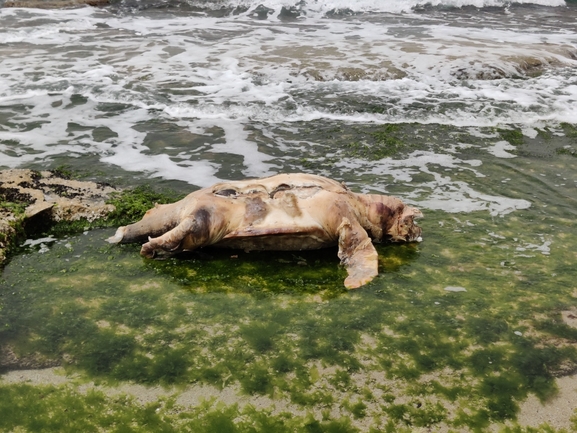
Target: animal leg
(357,253)
(171,240)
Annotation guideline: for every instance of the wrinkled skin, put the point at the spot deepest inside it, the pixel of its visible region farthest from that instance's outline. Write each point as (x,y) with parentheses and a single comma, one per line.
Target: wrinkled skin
(283,212)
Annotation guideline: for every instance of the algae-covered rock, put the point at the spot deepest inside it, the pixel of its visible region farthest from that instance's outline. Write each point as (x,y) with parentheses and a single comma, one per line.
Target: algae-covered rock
(48,196)
(7,231)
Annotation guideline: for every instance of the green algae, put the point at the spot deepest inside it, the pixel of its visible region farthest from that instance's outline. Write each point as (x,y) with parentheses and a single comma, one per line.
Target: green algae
(39,408)
(129,206)
(13,229)
(238,271)
(513,136)
(62,409)
(157,329)
(381,143)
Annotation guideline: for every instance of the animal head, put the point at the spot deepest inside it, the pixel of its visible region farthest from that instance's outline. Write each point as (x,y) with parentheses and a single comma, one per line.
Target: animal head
(389,219)
(404,228)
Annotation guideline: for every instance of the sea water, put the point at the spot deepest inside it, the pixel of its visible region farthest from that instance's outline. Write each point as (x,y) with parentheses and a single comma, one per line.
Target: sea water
(207,91)
(467,109)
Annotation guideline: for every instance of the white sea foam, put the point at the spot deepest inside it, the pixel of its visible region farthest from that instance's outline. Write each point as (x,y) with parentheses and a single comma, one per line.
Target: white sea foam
(367,5)
(62,70)
(443,192)
(500,149)
(544,248)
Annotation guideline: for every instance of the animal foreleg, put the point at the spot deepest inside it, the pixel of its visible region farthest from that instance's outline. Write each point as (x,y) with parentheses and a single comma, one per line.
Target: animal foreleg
(357,253)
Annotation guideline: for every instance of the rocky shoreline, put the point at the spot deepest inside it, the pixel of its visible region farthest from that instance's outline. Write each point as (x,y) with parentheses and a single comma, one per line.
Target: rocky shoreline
(29,197)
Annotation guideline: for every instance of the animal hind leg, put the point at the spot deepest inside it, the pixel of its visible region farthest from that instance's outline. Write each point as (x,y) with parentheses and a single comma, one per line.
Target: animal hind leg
(171,241)
(357,253)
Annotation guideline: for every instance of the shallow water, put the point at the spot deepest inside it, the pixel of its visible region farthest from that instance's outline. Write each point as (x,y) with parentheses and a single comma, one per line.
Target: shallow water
(396,352)
(468,113)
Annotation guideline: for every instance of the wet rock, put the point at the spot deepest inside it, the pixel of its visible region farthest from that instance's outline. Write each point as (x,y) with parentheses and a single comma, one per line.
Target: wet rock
(261,12)
(314,75)
(351,74)
(26,194)
(291,12)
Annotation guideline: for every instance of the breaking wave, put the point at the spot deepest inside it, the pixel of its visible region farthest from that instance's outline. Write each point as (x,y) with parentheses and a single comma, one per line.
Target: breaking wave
(295,8)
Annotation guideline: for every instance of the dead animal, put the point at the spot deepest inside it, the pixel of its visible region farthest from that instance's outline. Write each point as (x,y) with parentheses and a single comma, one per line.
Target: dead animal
(282,212)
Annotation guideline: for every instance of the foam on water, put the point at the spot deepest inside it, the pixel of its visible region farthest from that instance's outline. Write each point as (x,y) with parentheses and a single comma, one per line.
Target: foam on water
(395,6)
(68,74)
(443,192)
